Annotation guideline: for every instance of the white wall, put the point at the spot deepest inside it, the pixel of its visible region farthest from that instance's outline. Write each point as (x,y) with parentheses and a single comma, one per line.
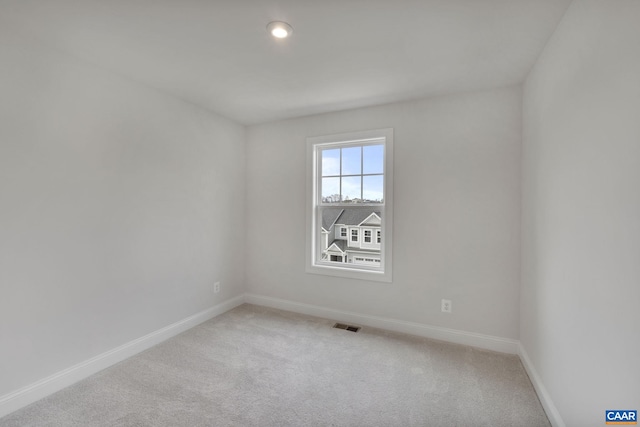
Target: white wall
(119,208)
(457,212)
(580,320)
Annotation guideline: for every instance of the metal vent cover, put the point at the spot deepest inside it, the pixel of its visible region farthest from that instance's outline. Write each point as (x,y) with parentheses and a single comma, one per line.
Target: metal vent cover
(347,327)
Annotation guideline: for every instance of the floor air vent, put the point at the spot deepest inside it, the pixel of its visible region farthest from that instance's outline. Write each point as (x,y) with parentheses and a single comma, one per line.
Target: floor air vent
(346,327)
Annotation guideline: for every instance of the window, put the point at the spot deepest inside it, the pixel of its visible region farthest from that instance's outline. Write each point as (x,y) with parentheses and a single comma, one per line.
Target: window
(350,183)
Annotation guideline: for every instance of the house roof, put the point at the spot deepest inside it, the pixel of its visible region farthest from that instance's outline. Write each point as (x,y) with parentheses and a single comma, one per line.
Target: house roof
(329,217)
(346,216)
(356,215)
(341,244)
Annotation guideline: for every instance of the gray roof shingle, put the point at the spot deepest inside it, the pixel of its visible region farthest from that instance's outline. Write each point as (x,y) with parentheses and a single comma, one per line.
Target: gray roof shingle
(329,217)
(356,215)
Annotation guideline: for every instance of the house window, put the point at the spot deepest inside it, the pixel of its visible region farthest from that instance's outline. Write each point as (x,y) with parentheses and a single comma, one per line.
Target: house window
(350,183)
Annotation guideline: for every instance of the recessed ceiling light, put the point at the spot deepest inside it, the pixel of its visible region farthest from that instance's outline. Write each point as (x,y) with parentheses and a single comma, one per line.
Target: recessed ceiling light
(279,29)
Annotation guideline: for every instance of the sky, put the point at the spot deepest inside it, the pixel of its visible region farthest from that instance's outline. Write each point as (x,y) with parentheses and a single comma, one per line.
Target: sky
(357,170)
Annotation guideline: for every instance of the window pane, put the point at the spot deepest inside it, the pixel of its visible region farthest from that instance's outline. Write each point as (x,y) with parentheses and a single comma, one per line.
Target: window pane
(373,189)
(373,159)
(331,162)
(351,191)
(330,190)
(351,161)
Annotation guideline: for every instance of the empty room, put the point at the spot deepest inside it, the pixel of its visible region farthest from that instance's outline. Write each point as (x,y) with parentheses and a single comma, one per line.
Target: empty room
(319,213)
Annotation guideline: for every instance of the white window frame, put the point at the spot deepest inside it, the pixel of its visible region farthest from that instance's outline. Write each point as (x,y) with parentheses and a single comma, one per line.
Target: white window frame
(315,265)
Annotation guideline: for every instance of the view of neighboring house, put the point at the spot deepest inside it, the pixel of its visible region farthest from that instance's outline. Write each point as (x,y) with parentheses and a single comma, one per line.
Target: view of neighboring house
(351,235)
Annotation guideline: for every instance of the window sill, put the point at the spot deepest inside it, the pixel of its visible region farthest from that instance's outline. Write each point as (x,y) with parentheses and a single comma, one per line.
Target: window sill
(349,273)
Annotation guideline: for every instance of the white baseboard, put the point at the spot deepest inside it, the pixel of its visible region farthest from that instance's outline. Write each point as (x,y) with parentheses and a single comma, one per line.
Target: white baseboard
(488,342)
(545,399)
(40,389)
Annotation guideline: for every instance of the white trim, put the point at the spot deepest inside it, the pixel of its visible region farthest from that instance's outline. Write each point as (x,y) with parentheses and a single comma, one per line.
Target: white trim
(356,235)
(545,398)
(26,395)
(488,342)
(337,249)
(366,220)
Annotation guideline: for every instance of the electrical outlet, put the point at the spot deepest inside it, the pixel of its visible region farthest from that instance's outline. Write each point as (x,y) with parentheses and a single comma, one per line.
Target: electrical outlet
(445,306)
(216,287)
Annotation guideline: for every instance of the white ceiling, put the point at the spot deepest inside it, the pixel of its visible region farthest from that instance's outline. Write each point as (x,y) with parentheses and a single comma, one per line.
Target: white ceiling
(342,54)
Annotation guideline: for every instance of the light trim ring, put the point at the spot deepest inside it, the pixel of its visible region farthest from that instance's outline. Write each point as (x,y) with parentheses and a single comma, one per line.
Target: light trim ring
(279,29)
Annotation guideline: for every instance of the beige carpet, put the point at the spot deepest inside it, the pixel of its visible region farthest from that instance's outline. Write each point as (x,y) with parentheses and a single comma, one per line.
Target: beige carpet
(255,366)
